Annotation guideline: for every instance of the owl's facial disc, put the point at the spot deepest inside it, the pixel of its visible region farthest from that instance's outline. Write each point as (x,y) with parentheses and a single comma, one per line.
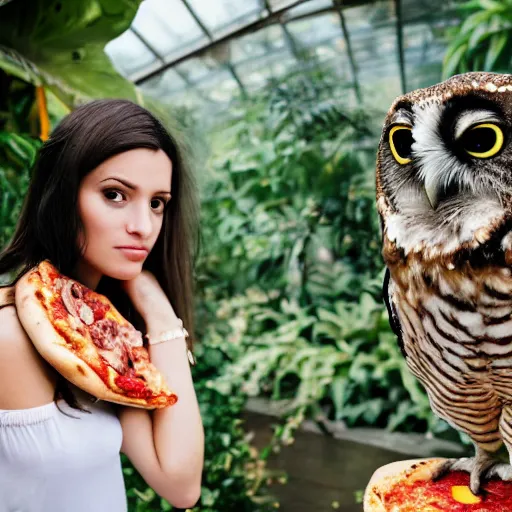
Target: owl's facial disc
(444,171)
(475,135)
(439,154)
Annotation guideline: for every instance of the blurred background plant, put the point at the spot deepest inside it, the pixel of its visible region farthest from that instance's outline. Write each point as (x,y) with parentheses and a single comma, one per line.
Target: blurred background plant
(291,264)
(484,40)
(289,277)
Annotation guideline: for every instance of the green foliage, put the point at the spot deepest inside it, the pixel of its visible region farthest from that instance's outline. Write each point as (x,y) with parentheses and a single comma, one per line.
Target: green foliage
(342,360)
(17,153)
(291,264)
(17,150)
(60,45)
(484,41)
(277,207)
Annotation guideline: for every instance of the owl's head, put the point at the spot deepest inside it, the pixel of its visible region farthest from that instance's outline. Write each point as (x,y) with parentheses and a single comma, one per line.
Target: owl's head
(444,165)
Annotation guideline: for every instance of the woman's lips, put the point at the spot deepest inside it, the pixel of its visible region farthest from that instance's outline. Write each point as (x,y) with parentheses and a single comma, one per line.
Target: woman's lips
(133,254)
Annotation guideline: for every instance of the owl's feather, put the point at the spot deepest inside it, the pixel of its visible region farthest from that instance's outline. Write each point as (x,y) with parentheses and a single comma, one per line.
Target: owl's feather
(394,321)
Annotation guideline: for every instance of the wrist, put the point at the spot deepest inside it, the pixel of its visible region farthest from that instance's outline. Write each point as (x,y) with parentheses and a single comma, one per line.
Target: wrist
(164,320)
(174,340)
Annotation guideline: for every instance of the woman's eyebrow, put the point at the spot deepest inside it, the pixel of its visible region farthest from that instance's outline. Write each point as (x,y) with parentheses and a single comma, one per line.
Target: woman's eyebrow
(132,186)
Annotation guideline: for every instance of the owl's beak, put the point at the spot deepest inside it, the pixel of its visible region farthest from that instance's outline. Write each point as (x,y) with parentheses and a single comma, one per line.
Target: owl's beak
(432,191)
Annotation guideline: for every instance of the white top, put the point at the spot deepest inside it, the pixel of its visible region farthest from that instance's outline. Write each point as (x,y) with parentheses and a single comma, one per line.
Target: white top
(50,462)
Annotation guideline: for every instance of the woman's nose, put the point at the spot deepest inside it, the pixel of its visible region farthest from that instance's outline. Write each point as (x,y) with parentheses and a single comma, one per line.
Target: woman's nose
(140,221)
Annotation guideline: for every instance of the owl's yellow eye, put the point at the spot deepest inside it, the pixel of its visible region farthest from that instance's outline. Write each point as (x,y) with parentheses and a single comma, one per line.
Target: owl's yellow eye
(483,140)
(400,142)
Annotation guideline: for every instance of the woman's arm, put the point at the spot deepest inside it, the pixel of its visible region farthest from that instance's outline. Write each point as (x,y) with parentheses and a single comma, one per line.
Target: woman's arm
(178,431)
(166,445)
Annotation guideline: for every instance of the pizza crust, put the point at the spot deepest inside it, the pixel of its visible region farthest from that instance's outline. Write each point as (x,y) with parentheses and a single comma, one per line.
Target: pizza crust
(52,347)
(387,476)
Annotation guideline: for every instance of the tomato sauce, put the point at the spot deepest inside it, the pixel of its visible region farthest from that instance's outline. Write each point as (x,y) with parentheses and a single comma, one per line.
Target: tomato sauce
(496,495)
(98,308)
(58,310)
(133,387)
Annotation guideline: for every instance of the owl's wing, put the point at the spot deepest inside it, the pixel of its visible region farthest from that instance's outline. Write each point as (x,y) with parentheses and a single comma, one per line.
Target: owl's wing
(394,320)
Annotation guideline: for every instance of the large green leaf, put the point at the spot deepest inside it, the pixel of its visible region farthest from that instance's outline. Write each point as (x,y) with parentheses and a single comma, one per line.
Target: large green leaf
(60,44)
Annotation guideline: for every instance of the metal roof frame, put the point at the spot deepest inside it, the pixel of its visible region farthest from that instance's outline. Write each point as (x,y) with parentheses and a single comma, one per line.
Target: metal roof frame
(266,15)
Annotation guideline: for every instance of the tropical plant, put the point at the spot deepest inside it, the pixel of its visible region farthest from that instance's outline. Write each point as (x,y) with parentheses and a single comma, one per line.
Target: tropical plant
(60,45)
(282,206)
(292,268)
(484,41)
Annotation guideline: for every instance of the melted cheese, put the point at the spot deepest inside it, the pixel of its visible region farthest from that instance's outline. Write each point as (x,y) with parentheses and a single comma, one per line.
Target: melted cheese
(463,494)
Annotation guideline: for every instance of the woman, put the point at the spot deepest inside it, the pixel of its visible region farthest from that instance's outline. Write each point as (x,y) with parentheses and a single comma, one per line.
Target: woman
(111,204)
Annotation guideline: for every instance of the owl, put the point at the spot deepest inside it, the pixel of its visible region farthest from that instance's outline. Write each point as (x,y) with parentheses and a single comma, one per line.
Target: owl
(444,197)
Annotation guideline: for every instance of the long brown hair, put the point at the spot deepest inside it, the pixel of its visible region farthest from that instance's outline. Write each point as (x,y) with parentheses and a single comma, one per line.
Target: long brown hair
(49,222)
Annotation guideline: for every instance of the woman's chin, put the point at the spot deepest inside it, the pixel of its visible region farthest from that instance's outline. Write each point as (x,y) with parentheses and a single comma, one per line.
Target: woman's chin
(124,272)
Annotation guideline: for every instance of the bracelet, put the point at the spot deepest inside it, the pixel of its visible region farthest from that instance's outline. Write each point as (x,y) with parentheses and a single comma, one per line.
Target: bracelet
(179,332)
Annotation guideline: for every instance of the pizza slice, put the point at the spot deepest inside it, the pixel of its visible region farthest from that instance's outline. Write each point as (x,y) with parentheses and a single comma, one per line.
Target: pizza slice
(83,336)
(408,487)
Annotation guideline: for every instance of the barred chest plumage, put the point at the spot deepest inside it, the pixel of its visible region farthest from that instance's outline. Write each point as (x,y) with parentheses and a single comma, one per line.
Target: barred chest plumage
(457,335)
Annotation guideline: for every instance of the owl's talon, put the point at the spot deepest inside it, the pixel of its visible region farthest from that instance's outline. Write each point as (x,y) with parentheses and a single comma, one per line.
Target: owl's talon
(501,470)
(477,467)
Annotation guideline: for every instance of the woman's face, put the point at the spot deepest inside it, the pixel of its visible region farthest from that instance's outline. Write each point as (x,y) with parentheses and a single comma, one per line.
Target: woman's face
(121,204)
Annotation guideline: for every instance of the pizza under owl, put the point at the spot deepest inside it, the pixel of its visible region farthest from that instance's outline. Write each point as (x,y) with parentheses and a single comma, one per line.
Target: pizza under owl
(84,337)
(414,489)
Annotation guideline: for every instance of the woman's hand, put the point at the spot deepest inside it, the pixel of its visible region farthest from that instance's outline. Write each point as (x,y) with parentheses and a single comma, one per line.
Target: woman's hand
(148,298)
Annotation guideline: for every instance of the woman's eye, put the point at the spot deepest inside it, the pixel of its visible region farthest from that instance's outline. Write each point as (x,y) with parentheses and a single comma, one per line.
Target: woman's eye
(113,195)
(158,204)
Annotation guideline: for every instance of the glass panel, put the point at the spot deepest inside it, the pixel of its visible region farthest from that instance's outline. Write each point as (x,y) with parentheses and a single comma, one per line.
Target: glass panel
(255,73)
(379,89)
(423,54)
(188,98)
(167,26)
(372,32)
(265,41)
(315,30)
(225,15)
(206,82)
(129,54)
(335,59)
(219,87)
(308,7)
(197,68)
(413,9)
(165,84)
(280,4)
(369,17)
(381,45)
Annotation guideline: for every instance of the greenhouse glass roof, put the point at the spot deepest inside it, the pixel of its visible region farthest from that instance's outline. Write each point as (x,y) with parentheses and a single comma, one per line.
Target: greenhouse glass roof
(204,52)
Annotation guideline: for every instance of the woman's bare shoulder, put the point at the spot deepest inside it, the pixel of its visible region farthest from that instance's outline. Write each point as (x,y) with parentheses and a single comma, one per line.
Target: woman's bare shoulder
(26,380)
